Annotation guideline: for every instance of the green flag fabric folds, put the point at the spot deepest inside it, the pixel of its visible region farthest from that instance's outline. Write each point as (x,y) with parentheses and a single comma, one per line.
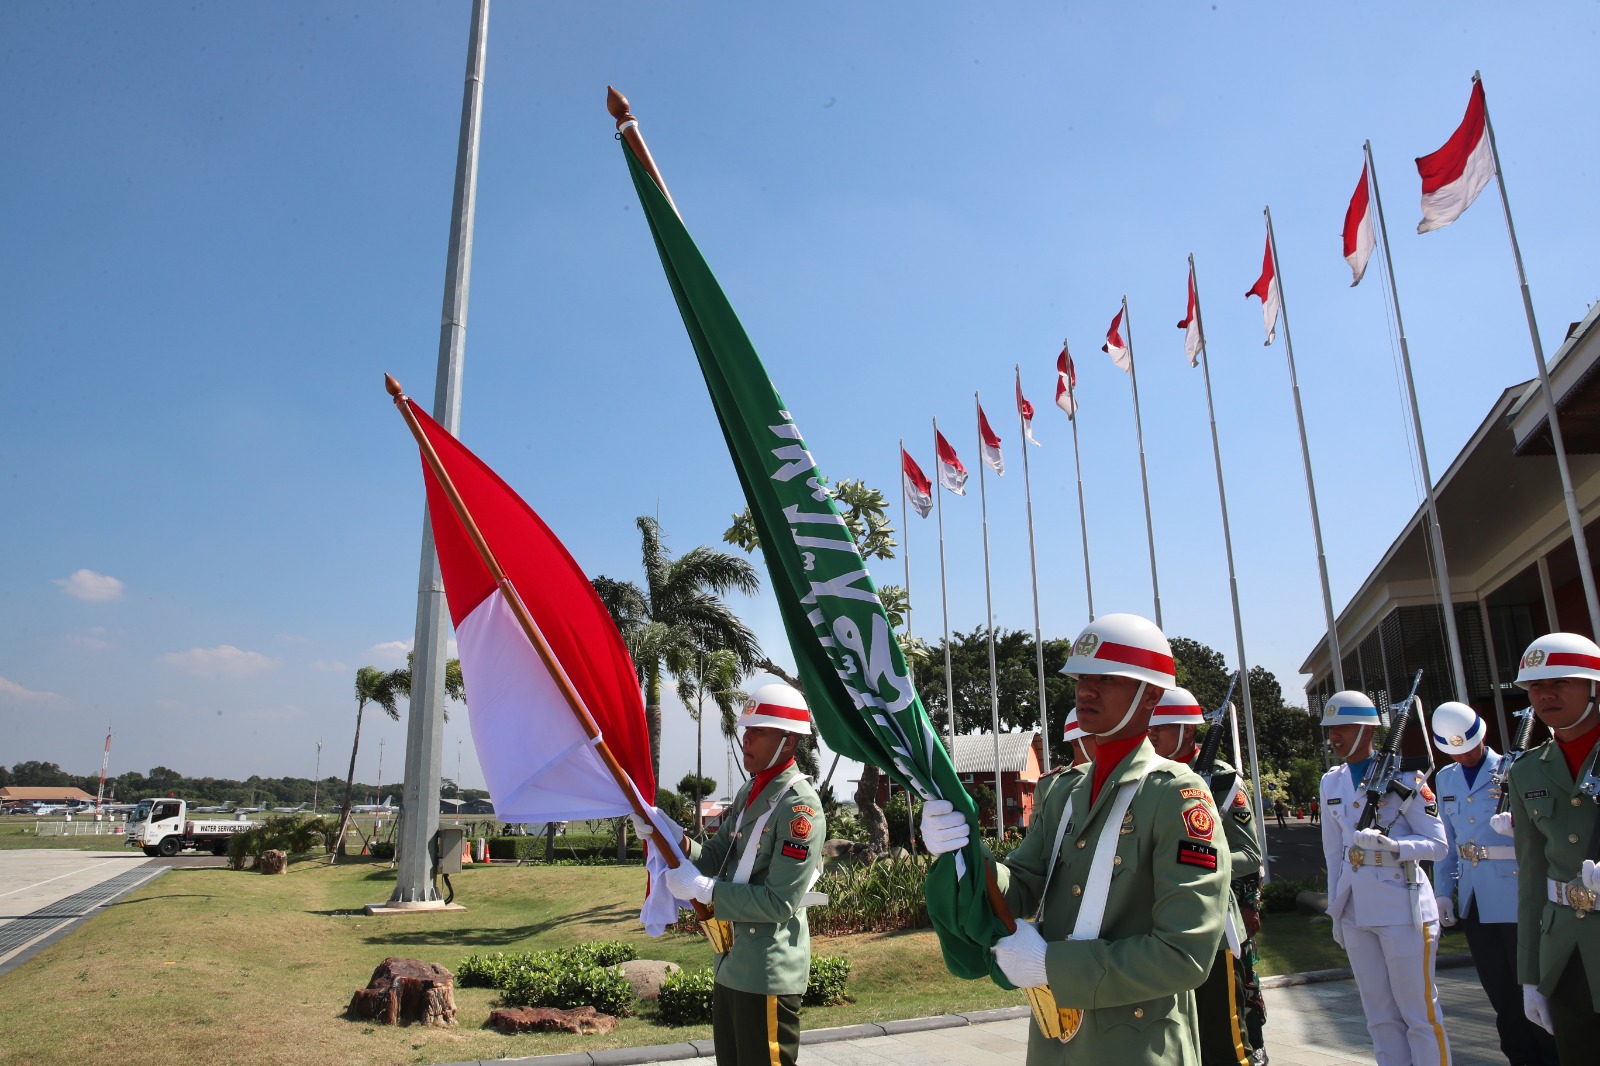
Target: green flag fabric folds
(849,661)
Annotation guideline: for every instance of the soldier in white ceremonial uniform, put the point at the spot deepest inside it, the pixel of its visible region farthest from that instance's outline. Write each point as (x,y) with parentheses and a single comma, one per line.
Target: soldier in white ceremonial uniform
(1476,881)
(1383,909)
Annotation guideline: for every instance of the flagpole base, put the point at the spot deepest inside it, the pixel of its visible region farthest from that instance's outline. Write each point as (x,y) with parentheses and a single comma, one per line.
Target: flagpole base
(413,907)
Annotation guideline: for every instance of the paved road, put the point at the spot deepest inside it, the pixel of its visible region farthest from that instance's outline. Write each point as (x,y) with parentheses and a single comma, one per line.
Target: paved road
(45,893)
(1296,850)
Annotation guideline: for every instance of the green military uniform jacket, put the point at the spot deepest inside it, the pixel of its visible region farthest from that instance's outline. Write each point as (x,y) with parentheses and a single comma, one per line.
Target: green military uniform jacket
(1551,823)
(1163,918)
(1061,777)
(1244,847)
(771,953)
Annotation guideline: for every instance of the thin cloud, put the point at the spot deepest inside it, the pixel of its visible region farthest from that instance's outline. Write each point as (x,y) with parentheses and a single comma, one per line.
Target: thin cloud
(224,661)
(390,650)
(95,638)
(330,666)
(91,587)
(11,692)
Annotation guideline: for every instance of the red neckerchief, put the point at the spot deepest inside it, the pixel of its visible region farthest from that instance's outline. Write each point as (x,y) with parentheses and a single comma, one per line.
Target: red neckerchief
(1107,756)
(1577,749)
(763,779)
(1194,749)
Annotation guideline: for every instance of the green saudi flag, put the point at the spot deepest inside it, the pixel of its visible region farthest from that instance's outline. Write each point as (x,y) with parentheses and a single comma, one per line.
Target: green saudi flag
(850,664)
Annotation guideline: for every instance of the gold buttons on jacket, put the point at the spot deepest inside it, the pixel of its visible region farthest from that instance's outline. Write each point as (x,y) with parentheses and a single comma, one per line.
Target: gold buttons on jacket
(1576,802)
(1572,838)
(1116,860)
(1138,1012)
(1469,799)
(1077,890)
(1081,843)
(1472,819)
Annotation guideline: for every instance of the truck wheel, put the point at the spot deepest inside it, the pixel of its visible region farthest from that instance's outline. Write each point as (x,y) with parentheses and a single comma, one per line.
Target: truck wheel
(152,852)
(220,848)
(168,847)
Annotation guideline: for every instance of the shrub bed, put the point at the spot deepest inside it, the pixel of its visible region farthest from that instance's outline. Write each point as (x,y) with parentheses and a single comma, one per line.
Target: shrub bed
(578,847)
(685,997)
(292,834)
(564,978)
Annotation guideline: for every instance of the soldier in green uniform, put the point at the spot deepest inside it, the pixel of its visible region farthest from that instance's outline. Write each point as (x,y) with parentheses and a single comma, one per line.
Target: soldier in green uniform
(757,874)
(1125,875)
(1554,826)
(1224,1001)
(1063,776)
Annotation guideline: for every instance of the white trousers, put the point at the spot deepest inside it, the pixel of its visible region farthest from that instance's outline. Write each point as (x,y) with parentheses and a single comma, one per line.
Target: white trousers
(1394,972)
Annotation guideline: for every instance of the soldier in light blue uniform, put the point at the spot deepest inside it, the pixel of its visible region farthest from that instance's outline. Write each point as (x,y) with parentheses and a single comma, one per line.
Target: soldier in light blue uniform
(1480,869)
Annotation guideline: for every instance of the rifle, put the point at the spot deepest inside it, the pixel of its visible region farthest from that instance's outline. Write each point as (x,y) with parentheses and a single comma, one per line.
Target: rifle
(1519,744)
(1384,773)
(1205,762)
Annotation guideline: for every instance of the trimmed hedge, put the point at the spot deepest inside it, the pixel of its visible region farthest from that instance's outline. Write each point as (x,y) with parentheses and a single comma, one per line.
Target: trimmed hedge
(825,986)
(685,996)
(565,977)
(578,846)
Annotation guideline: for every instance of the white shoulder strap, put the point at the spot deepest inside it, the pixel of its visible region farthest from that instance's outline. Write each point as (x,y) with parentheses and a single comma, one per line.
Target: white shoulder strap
(747,858)
(1098,889)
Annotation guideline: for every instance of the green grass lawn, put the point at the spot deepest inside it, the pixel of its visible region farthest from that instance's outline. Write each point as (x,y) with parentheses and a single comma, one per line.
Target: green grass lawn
(18,833)
(213,966)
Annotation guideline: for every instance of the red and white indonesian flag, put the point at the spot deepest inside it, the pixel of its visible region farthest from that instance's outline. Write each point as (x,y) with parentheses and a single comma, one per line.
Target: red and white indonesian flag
(1193,342)
(1115,348)
(919,490)
(991,444)
(539,762)
(1066,383)
(1453,176)
(1266,287)
(952,475)
(1359,238)
(1025,409)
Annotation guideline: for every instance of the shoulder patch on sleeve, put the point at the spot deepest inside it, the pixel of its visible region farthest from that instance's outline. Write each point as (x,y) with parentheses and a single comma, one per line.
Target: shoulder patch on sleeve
(801,808)
(1198,823)
(1427,793)
(794,850)
(800,827)
(1240,801)
(1195,794)
(1201,855)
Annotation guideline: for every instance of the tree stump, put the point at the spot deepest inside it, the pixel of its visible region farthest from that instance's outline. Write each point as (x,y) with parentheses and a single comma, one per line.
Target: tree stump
(583,1020)
(403,991)
(273,862)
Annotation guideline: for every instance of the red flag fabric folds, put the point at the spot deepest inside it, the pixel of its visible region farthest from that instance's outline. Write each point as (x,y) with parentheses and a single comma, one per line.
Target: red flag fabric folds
(952,475)
(1115,348)
(1025,409)
(538,761)
(991,444)
(918,489)
(1453,176)
(1192,341)
(1359,238)
(1266,287)
(1066,383)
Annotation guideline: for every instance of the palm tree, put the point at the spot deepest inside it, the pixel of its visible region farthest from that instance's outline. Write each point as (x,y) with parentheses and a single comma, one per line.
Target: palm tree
(713,674)
(677,615)
(384,689)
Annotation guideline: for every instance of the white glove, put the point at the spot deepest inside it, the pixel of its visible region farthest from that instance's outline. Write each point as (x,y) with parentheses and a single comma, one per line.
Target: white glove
(685,882)
(1447,911)
(1591,875)
(944,829)
(1501,823)
(1021,956)
(643,828)
(1373,840)
(1338,934)
(1537,1008)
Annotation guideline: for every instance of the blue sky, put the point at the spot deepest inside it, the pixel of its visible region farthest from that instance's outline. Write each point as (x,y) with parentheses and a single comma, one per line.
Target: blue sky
(223,224)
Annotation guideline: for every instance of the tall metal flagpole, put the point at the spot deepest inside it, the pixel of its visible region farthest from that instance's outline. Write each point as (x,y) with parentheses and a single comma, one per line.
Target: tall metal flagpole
(414,887)
(1447,603)
(944,593)
(1033,569)
(1233,578)
(905,534)
(1077,462)
(988,621)
(1305,454)
(1580,542)
(1144,478)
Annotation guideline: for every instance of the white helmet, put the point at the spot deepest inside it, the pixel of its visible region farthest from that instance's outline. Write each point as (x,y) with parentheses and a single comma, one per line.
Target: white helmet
(1457,729)
(776,706)
(1350,708)
(1559,655)
(1178,707)
(1123,645)
(1073,731)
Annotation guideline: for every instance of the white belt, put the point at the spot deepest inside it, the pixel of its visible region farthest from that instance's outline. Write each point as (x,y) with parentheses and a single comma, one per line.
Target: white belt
(1496,852)
(1374,856)
(1573,895)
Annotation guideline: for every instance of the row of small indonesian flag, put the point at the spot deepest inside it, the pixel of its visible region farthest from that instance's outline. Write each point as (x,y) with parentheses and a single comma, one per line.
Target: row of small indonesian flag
(1452,178)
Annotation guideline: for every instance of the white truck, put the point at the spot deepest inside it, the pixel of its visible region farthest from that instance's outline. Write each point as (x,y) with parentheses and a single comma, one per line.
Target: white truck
(163,827)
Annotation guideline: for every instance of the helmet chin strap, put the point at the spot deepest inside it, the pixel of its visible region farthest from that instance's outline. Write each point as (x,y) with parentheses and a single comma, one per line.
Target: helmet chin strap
(1588,708)
(1133,705)
(775,753)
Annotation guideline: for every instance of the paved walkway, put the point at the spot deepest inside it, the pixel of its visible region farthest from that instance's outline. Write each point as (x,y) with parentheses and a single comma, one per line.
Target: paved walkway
(45,893)
(1314,1024)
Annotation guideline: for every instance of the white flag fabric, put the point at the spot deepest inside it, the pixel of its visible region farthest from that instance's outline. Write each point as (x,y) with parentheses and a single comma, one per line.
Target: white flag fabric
(1025,409)
(991,444)
(1192,340)
(919,490)
(1066,384)
(1359,237)
(1266,287)
(952,475)
(1115,348)
(1453,176)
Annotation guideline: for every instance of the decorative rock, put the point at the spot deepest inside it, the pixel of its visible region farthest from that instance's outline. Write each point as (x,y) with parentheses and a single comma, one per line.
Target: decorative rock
(273,862)
(644,976)
(583,1020)
(403,991)
(846,849)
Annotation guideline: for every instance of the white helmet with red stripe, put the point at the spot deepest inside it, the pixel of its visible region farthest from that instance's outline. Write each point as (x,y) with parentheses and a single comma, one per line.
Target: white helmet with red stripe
(1073,730)
(1559,655)
(1123,645)
(777,706)
(1178,707)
